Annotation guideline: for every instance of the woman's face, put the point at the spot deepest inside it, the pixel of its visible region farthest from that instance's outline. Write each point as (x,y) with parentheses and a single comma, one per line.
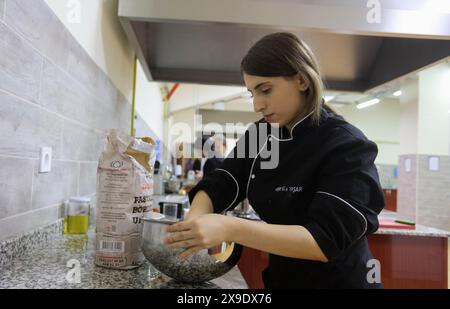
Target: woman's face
(280,100)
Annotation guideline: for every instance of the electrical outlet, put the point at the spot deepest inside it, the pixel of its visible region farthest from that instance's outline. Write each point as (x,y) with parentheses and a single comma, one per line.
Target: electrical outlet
(45,162)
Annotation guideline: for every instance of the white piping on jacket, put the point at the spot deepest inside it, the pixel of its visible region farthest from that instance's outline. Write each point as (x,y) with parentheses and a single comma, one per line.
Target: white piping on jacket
(279,139)
(237,186)
(292,129)
(348,204)
(253,164)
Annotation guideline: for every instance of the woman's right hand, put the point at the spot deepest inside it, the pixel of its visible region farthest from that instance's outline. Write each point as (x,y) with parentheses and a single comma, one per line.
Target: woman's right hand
(202,232)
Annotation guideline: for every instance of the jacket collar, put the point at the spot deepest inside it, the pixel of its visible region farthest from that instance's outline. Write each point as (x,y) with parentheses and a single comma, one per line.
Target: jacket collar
(303,125)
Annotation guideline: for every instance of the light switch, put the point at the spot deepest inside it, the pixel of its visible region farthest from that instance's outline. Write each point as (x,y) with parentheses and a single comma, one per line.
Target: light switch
(433,163)
(407,165)
(45,161)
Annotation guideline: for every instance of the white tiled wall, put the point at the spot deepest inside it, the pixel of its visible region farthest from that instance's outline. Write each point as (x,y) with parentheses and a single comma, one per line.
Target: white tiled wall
(423,194)
(407,188)
(434,193)
(51,94)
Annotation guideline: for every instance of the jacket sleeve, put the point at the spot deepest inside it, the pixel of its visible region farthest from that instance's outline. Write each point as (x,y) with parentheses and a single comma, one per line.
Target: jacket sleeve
(208,168)
(349,197)
(225,185)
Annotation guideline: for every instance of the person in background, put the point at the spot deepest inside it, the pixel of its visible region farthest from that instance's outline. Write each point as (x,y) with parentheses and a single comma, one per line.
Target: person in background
(216,154)
(213,153)
(200,162)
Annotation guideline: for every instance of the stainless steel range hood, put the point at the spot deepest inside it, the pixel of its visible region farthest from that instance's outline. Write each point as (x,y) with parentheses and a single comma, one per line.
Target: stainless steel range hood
(203,41)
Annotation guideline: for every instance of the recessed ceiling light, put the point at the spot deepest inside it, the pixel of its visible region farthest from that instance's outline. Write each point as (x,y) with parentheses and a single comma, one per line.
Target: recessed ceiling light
(398,93)
(367,103)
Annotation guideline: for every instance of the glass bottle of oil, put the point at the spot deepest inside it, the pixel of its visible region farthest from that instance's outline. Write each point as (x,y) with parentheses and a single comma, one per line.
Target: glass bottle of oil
(76,219)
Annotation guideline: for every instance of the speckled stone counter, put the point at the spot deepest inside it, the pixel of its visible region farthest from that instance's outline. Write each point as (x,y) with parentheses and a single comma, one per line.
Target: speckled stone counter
(34,239)
(45,266)
(420,230)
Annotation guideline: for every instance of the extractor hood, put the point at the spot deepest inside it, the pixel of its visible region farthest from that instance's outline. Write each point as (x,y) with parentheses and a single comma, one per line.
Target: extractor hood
(203,41)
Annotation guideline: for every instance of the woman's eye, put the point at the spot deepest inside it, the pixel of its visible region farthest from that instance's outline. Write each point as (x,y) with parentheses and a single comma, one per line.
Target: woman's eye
(266,91)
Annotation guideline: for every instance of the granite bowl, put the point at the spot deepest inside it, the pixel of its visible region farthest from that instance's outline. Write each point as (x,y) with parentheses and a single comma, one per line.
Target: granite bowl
(196,268)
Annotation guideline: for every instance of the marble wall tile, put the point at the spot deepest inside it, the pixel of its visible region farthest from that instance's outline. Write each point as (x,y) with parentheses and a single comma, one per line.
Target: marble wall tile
(433,202)
(87,178)
(80,143)
(37,23)
(51,94)
(407,188)
(24,128)
(55,187)
(20,66)
(2,9)
(15,186)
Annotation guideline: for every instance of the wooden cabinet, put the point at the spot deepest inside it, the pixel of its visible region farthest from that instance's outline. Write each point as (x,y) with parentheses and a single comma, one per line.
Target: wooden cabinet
(411,262)
(251,265)
(407,262)
(390,196)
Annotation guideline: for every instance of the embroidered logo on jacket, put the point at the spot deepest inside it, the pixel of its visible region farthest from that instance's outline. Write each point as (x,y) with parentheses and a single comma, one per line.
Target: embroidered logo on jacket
(291,189)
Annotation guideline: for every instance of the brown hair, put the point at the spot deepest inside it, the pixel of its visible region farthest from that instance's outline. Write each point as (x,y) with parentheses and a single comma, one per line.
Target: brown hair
(284,54)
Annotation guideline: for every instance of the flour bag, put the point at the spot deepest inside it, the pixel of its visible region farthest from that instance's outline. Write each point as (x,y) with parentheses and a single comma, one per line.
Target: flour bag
(124,195)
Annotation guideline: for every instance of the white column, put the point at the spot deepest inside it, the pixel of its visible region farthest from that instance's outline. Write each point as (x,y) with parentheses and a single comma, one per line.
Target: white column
(425,138)
(409,115)
(434,104)
(424,119)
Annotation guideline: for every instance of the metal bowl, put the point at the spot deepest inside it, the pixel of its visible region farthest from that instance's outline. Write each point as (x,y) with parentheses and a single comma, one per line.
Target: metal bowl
(198,267)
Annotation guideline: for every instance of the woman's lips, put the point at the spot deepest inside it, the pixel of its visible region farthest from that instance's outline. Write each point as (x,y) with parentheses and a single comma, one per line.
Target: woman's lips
(269,117)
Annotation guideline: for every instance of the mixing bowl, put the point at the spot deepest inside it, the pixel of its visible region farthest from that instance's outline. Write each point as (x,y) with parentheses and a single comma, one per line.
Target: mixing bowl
(198,267)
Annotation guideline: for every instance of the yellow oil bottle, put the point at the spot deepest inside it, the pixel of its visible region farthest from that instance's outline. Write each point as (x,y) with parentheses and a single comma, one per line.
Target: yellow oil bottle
(76,220)
(76,224)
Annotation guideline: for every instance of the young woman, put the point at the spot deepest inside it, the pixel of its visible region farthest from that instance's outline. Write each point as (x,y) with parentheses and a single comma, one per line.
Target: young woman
(321,200)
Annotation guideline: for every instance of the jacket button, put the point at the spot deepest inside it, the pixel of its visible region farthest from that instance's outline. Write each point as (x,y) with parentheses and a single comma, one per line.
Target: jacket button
(253,176)
(270,139)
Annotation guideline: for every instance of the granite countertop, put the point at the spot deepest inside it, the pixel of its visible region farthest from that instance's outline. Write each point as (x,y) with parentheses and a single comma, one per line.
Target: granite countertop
(45,266)
(420,230)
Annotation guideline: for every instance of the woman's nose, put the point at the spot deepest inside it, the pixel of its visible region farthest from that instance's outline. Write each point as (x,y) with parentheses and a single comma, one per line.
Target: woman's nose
(258,106)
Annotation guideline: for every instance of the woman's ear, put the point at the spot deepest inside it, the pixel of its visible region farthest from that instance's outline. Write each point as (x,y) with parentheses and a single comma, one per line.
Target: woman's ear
(303,84)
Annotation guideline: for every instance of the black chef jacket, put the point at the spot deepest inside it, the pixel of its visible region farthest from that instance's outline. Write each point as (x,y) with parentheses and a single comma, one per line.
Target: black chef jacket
(326,181)
(211,164)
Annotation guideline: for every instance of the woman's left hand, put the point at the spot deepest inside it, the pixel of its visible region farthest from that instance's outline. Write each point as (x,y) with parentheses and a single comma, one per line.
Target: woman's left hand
(199,233)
